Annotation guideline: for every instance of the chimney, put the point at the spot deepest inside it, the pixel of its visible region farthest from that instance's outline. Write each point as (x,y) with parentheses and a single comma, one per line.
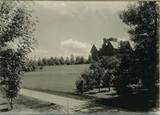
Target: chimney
(104,40)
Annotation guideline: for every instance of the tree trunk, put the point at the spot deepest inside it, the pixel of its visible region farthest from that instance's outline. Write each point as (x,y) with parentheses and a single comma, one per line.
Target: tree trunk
(11,104)
(109,88)
(98,88)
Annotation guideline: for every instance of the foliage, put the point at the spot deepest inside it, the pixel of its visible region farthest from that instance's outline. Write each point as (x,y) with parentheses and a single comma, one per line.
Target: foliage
(45,61)
(56,61)
(40,63)
(82,60)
(30,65)
(94,65)
(78,60)
(80,85)
(12,63)
(110,64)
(72,59)
(89,59)
(98,75)
(62,61)
(17,26)
(41,67)
(107,80)
(87,75)
(142,18)
(85,82)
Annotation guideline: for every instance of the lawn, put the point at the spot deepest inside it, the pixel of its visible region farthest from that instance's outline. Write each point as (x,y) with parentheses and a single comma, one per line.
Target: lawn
(60,80)
(54,78)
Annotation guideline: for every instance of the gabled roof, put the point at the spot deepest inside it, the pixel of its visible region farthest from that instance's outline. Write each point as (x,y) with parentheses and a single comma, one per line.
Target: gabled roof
(114,44)
(93,48)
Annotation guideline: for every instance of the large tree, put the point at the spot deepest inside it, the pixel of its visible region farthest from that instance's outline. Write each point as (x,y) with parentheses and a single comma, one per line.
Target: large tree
(16,29)
(143,21)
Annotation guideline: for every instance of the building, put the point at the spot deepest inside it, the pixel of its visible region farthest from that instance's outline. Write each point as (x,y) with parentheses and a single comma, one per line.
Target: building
(109,47)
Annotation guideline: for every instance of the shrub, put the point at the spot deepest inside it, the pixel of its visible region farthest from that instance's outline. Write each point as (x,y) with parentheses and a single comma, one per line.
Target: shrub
(41,67)
(87,75)
(94,65)
(85,82)
(107,79)
(98,75)
(80,85)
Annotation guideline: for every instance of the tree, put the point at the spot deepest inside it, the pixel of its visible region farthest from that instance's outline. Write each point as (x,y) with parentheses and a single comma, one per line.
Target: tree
(62,61)
(78,60)
(31,65)
(110,64)
(82,60)
(72,59)
(88,78)
(89,59)
(67,62)
(142,18)
(57,61)
(107,79)
(45,61)
(125,73)
(16,24)
(51,61)
(104,70)
(48,62)
(40,63)
(98,75)
(80,85)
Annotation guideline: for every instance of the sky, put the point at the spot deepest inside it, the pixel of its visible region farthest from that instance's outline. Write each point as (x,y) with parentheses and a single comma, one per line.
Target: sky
(66,28)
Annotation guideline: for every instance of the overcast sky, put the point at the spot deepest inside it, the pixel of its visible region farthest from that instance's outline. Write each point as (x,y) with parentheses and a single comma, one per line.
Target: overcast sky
(67,28)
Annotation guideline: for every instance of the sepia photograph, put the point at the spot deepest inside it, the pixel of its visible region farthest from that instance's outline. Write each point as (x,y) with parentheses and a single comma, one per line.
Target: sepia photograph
(79,57)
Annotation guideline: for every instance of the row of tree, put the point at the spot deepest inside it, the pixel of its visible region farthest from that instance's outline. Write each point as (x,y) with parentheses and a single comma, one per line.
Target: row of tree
(62,61)
(32,64)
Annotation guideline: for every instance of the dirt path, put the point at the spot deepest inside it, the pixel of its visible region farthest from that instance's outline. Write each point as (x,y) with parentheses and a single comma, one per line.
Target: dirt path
(69,103)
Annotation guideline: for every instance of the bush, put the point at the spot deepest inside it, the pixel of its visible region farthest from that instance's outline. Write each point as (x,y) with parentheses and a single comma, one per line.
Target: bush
(98,75)
(94,65)
(87,75)
(41,67)
(106,79)
(85,82)
(80,85)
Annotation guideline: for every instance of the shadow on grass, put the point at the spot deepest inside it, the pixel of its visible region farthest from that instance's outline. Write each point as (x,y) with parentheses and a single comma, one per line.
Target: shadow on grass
(92,93)
(142,102)
(4,110)
(112,94)
(102,91)
(3,103)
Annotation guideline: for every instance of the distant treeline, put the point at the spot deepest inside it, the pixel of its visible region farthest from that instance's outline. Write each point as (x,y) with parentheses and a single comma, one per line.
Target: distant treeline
(32,64)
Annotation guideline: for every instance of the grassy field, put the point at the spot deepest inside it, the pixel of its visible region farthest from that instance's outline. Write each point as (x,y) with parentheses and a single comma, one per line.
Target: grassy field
(54,78)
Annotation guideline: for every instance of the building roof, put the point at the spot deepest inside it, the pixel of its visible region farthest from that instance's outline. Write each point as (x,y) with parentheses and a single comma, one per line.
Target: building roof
(93,48)
(114,44)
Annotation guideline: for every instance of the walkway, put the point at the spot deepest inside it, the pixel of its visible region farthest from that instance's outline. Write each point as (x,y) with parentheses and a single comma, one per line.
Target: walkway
(63,101)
